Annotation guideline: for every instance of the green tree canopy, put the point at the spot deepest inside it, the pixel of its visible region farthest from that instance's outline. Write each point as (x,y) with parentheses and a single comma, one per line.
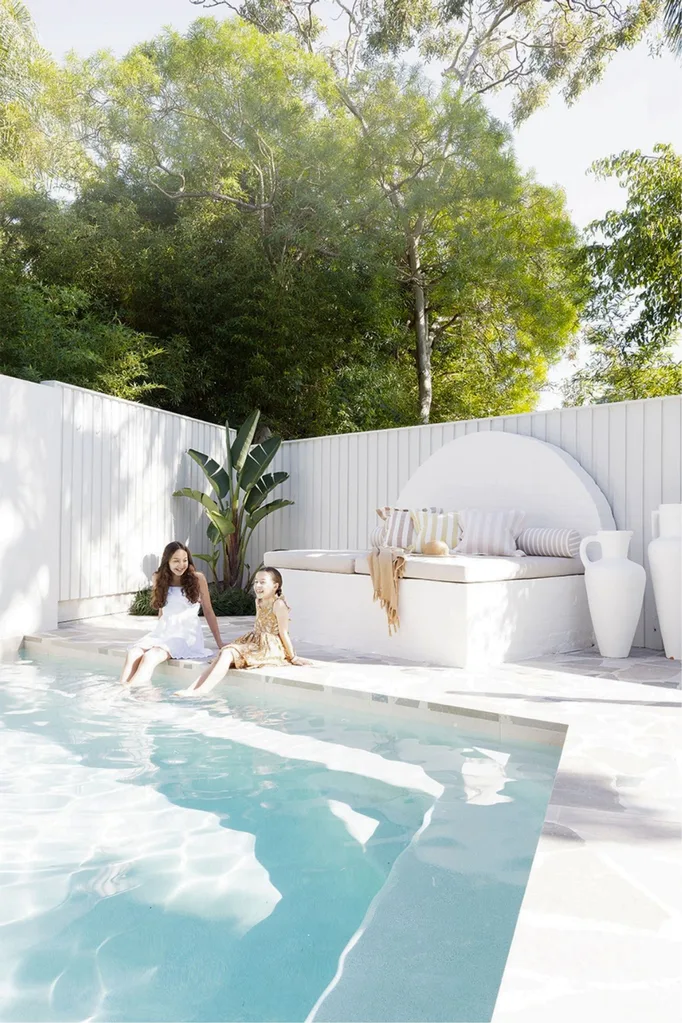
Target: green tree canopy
(48,332)
(387,191)
(526,47)
(39,140)
(487,260)
(635,258)
(341,254)
(634,314)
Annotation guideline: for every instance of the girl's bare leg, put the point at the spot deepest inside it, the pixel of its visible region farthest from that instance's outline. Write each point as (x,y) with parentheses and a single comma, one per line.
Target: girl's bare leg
(215,673)
(150,660)
(131,664)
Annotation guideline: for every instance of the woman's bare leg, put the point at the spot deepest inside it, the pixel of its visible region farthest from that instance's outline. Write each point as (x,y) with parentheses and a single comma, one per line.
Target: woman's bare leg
(215,673)
(131,664)
(150,660)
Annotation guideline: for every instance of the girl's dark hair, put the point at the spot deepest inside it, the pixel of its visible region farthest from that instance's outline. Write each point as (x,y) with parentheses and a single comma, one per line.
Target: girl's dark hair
(163,577)
(276,577)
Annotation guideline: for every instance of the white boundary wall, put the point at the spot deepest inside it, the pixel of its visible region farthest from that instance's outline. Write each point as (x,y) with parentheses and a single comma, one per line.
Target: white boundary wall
(120,462)
(29,510)
(633,450)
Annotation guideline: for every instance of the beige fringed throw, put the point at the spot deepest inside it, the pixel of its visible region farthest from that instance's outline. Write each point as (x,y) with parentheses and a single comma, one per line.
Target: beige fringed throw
(386,567)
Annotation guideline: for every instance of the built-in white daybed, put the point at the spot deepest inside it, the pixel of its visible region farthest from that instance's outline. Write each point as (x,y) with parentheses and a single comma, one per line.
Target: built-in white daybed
(460,610)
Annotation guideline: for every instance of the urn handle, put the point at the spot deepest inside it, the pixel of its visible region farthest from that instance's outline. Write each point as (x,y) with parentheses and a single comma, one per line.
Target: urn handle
(655,523)
(584,543)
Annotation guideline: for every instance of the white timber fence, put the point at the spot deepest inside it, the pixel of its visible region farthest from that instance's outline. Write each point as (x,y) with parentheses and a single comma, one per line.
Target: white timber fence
(119,463)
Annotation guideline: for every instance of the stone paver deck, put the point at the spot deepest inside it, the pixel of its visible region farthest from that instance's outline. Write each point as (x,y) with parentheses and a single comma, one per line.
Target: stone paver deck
(600,929)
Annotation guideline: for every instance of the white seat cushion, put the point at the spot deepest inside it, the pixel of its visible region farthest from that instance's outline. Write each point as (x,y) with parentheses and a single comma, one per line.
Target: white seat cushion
(464,568)
(314,561)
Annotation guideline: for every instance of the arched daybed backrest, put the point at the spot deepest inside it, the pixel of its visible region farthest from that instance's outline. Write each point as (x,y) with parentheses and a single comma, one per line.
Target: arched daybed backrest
(495,470)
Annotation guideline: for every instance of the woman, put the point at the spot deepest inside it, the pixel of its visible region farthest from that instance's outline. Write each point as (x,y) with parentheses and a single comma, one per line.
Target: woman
(178,591)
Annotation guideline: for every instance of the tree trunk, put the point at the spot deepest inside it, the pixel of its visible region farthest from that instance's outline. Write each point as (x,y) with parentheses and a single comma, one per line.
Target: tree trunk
(421,326)
(235,569)
(226,570)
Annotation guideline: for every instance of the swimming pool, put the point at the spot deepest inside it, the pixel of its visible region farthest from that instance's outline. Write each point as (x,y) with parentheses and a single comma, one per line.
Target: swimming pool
(255,856)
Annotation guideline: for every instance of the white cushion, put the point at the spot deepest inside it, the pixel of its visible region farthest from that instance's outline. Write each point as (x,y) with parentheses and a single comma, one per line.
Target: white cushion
(550,543)
(314,561)
(430,526)
(462,569)
(489,532)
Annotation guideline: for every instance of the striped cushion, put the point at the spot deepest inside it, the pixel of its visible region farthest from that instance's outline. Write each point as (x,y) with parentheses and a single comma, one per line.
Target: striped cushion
(430,526)
(489,532)
(399,526)
(550,543)
(376,537)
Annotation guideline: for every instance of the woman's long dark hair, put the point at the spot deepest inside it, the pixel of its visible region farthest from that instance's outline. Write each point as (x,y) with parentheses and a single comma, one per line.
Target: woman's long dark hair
(164,577)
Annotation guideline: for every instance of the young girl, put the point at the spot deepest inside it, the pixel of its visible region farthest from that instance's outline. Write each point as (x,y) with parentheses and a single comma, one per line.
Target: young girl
(269,643)
(178,591)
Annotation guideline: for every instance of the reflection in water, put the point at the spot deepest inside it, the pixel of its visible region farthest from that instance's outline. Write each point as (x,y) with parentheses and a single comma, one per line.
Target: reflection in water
(358,826)
(485,776)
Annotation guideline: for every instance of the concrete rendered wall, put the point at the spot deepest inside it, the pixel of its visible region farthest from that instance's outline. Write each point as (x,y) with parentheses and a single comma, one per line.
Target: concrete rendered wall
(30,452)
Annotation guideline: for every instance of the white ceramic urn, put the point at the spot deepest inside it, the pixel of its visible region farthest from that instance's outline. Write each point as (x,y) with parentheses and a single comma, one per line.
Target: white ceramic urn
(615,591)
(665,564)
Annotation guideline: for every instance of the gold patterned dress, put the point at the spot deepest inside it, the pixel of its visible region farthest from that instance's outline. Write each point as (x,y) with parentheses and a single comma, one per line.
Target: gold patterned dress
(263,646)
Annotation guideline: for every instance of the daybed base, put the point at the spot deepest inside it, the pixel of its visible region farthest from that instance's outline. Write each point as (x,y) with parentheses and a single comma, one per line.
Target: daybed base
(462,625)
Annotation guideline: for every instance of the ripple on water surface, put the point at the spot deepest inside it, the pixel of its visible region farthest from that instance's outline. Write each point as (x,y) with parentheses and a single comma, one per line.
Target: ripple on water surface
(234,859)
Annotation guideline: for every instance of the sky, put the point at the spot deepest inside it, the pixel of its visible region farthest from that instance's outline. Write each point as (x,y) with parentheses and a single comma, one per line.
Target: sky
(636,104)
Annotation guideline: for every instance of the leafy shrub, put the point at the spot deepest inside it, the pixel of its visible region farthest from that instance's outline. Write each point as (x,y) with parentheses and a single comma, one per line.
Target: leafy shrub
(51,332)
(229,602)
(142,603)
(232,602)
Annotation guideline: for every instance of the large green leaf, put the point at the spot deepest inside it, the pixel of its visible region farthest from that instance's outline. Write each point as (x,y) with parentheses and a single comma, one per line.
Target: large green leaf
(262,488)
(215,474)
(222,523)
(210,559)
(213,534)
(243,441)
(267,509)
(258,460)
(198,495)
(228,448)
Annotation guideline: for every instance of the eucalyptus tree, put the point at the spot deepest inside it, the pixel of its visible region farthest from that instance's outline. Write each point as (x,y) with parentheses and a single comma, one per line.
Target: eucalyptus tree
(525,47)
(219,113)
(20,61)
(487,254)
(40,144)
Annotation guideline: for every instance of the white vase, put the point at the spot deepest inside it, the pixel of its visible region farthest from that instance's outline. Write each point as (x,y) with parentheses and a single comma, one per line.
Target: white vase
(615,591)
(665,563)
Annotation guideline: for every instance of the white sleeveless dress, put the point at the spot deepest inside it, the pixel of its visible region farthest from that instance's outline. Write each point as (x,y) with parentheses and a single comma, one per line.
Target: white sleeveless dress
(178,630)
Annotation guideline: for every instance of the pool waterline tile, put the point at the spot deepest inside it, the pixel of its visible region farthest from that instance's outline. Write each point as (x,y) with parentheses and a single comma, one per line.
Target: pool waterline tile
(485,723)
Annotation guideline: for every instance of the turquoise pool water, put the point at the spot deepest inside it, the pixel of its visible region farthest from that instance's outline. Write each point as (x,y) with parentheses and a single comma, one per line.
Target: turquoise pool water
(252,857)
